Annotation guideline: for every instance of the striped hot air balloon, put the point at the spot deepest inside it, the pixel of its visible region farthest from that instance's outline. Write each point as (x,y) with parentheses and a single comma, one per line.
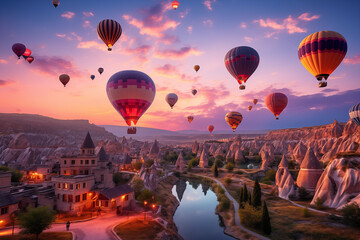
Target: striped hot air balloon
(354,113)
(233,119)
(276,103)
(241,62)
(321,53)
(109,31)
(131,94)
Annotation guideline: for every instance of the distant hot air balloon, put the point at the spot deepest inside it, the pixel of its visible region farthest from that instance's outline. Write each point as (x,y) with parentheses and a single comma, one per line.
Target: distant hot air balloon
(196,68)
(100,70)
(30,59)
(171,99)
(276,103)
(92,77)
(354,113)
(109,31)
(27,53)
(321,53)
(250,107)
(64,79)
(131,94)
(190,118)
(255,101)
(18,49)
(194,92)
(55,3)
(210,128)
(175,4)
(233,119)
(241,62)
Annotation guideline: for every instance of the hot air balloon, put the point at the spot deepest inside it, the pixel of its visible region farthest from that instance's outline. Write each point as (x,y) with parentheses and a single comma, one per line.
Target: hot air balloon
(250,107)
(109,31)
(18,49)
(92,77)
(255,101)
(354,113)
(211,128)
(55,3)
(27,53)
(276,103)
(30,59)
(100,70)
(190,118)
(321,53)
(131,94)
(171,99)
(175,4)
(241,62)
(194,92)
(233,119)
(64,79)
(196,68)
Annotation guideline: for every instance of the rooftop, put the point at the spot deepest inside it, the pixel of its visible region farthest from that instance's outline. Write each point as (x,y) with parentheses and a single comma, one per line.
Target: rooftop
(88,142)
(117,191)
(7,199)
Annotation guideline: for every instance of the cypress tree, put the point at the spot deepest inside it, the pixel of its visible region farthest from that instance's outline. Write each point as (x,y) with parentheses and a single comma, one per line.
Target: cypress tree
(256,196)
(245,193)
(249,198)
(241,199)
(265,220)
(216,172)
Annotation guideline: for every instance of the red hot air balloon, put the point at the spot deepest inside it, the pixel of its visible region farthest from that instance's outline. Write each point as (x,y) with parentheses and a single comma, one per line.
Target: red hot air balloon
(254,101)
(109,31)
(27,53)
(64,79)
(276,103)
(250,107)
(30,59)
(211,128)
(175,4)
(190,118)
(241,62)
(18,49)
(131,94)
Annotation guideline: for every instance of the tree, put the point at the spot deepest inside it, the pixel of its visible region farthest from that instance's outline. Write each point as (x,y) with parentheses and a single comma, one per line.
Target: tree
(351,213)
(303,193)
(36,220)
(256,196)
(137,165)
(16,175)
(117,179)
(246,197)
(241,198)
(138,185)
(265,220)
(216,172)
(249,198)
(229,166)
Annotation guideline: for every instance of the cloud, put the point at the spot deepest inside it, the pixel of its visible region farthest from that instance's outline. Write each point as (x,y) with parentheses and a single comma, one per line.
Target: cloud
(61,35)
(54,66)
(176,54)
(248,39)
(139,52)
(68,15)
(208,4)
(88,14)
(4,83)
(189,29)
(243,25)
(92,44)
(354,60)
(306,17)
(68,37)
(183,14)
(76,36)
(87,24)
(208,22)
(171,71)
(3,61)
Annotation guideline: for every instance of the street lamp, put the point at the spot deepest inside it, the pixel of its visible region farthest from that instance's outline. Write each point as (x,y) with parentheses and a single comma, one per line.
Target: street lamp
(145,203)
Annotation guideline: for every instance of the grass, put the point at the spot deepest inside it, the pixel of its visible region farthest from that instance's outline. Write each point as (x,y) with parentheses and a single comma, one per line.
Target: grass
(43,236)
(138,230)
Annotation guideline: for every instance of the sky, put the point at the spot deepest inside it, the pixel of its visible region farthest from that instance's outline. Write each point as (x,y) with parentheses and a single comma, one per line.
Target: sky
(166,44)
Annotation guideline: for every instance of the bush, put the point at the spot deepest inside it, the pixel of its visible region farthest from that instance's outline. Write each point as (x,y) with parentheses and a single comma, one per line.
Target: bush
(136,165)
(303,193)
(177,174)
(228,181)
(119,179)
(219,163)
(138,185)
(270,174)
(224,203)
(319,204)
(16,175)
(250,216)
(229,166)
(146,195)
(220,190)
(211,161)
(351,214)
(148,163)
(291,164)
(221,158)
(305,212)
(193,163)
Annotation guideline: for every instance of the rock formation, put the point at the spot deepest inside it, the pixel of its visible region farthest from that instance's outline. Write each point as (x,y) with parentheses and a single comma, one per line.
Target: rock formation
(284,181)
(267,155)
(180,163)
(154,150)
(180,188)
(204,158)
(299,152)
(195,147)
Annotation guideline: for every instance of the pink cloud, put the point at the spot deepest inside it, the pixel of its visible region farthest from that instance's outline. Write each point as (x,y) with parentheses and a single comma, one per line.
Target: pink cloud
(171,71)
(243,25)
(139,52)
(354,60)
(183,14)
(189,29)
(4,83)
(3,61)
(208,22)
(54,66)
(208,4)
(68,15)
(87,24)
(61,35)
(248,39)
(76,36)
(307,17)
(175,54)
(92,44)
(88,14)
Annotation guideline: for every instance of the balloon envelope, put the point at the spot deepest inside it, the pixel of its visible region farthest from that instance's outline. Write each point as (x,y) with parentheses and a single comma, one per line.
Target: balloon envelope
(55,3)
(175,4)
(194,92)
(211,128)
(18,49)
(233,119)
(171,99)
(131,94)
(92,77)
(101,70)
(196,68)
(354,113)
(27,53)
(255,101)
(109,31)
(64,79)
(250,107)
(190,118)
(30,59)
(276,103)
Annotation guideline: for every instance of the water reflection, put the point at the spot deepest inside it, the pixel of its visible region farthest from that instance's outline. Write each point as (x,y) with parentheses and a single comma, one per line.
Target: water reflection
(195,217)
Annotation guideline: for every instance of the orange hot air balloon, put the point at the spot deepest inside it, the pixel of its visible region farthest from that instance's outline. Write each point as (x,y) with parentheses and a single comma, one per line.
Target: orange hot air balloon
(233,119)
(196,68)
(175,4)
(27,53)
(190,118)
(276,103)
(255,101)
(30,59)
(64,79)
(250,107)
(321,53)
(109,31)
(211,128)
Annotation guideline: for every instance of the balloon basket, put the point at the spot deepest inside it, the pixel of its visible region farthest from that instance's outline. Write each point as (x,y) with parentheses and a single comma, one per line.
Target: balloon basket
(322,84)
(131,130)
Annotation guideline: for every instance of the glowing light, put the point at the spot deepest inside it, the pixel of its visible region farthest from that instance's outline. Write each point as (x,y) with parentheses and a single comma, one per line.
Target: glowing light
(153,206)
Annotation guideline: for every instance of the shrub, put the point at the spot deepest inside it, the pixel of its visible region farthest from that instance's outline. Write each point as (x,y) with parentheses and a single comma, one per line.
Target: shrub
(305,212)
(228,181)
(303,193)
(351,214)
(250,216)
(224,204)
(146,195)
(177,174)
(220,190)
(219,163)
(229,166)
(270,174)
(136,165)
(265,220)
(148,163)
(211,161)
(319,203)
(138,185)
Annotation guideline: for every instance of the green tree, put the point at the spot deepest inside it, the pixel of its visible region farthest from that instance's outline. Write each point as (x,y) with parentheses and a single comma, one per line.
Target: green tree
(265,220)
(228,181)
(137,165)
(146,195)
(216,171)
(241,198)
(249,201)
(351,214)
(229,166)
(256,196)
(16,175)
(303,193)
(219,163)
(36,220)
(193,163)
(138,185)
(246,197)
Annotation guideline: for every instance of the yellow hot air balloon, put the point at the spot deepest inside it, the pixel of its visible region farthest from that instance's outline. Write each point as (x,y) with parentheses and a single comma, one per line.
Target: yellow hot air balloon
(321,53)
(233,119)
(190,118)
(196,68)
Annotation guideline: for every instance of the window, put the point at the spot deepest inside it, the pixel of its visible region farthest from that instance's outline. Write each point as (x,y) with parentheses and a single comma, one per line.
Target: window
(64,162)
(65,186)
(83,151)
(71,186)
(77,198)
(81,161)
(64,198)
(86,161)
(64,172)
(74,172)
(93,162)
(72,162)
(70,198)
(86,172)
(4,210)
(59,185)
(102,177)
(81,172)
(84,196)
(78,186)
(84,185)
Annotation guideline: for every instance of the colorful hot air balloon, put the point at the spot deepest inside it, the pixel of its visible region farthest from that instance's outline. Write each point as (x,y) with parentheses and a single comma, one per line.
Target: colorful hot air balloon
(190,118)
(27,53)
(131,94)
(171,99)
(276,103)
(175,4)
(254,101)
(241,62)
(100,70)
(55,3)
(233,119)
(64,79)
(30,59)
(196,68)
(194,92)
(109,31)
(250,107)
(321,53)
(92,77)
(354,113)
(211,128)
(18,49)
